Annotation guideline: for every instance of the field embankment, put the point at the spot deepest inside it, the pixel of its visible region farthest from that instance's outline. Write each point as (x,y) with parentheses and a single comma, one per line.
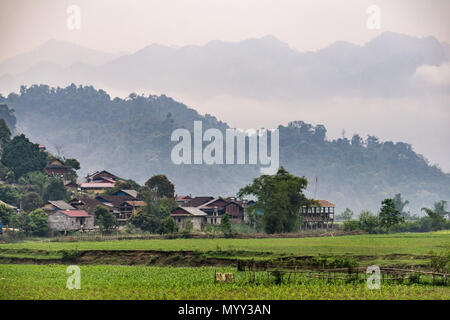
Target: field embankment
(400,250)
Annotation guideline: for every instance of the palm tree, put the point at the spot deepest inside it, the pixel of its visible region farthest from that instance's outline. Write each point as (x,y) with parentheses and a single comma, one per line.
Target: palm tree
(439,210)
(437,214)
(400,204)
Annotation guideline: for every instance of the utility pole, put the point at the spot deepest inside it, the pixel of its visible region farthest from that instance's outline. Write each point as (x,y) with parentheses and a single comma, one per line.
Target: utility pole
(315,188)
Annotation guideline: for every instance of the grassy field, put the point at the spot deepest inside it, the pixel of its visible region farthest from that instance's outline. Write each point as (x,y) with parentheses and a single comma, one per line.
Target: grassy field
(139,282)
(403,243)
(119,273)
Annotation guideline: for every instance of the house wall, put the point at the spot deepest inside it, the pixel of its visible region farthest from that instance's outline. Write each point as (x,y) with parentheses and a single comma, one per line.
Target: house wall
(216,220)
(58,221)
(235,212)
(197,222)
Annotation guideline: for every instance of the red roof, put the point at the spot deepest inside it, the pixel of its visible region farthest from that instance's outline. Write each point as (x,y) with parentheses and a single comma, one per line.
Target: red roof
(183,198)
(325,203)
(75,213)
(97,185)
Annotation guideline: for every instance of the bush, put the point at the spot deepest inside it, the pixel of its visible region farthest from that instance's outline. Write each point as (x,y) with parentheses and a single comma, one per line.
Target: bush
(277,277)
(70,255)
(369,222)
(414,278)
(440,262)
(168,225)
(33,223)
(105,219)
(351,225)
(7,215)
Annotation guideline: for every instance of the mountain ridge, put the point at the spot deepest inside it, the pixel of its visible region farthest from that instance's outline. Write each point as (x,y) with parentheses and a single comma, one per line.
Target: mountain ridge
(131,137)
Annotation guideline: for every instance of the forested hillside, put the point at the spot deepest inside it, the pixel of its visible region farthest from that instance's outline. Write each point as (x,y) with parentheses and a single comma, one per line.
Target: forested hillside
(131,138)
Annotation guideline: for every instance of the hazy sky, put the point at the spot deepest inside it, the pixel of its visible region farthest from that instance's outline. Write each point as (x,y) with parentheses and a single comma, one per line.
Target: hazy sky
(128,25)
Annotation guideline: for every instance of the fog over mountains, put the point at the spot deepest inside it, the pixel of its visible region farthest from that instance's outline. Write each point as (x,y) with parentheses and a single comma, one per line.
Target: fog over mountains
(396,87)
(256,68)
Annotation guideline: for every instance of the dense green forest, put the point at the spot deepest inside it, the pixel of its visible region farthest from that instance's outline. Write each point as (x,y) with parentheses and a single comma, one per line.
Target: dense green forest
(131,138)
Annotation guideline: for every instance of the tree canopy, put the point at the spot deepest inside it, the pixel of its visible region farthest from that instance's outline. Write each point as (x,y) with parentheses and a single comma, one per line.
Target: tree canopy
(105,219)
(280,196)
(161,186)
(389,215)
(23,156)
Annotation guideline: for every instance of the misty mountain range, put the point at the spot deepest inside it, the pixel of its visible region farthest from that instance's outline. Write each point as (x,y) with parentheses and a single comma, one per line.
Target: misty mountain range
(261,68)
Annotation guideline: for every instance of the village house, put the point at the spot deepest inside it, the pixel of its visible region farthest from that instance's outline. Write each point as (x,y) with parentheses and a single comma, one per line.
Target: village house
(51,206)
(123,204)
(129,208)
(69,220)
(125,192)
(213,208)
(318,216)
(56,167)
(64,217)
(70,184)
(182,200)
(182,215)
(99,176)
(218,207)
(98,182)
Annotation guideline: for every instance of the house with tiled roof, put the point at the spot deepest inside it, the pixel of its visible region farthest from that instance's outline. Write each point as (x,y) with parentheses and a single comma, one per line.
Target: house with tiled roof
(318,216)
(126,192)
(122,206)
(70,220)
(57,167)
(213,209)
(98,182)
(56,205)
(62,216)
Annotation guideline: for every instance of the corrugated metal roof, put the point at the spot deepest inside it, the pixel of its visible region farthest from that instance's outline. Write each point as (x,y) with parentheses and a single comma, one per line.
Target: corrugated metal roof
(132,193)
(62,205)
(193,211)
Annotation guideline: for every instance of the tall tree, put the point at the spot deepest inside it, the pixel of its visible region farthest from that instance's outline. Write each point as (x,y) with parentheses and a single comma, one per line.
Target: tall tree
(145,221)
(161,186)
(280,196)
(437,214)
(389,216)
(400,204)
(23,156)
(73,163)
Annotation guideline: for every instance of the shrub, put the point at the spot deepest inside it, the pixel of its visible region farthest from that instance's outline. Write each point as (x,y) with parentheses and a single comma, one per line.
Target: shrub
(351,225)
(70,255)
(440,262)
